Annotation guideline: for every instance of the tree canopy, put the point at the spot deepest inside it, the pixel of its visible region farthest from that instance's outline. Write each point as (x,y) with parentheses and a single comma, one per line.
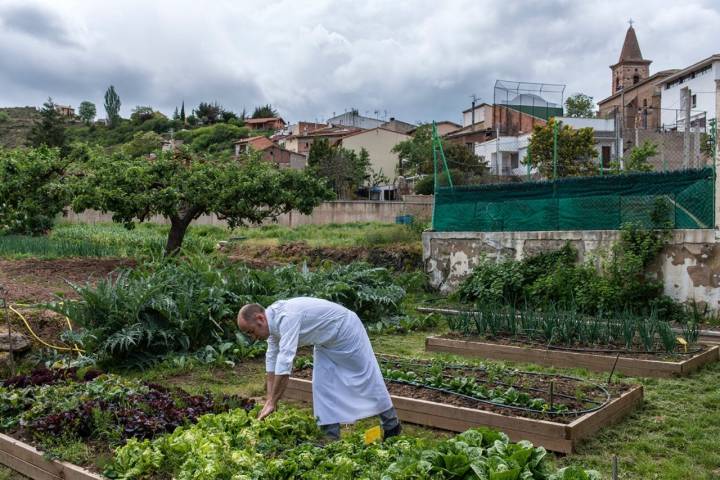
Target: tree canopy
(87,112)
(33,189)
(112,106)
(579,105)
(182,186)
(265,111)
(345,170)
(575,150)
(49,130)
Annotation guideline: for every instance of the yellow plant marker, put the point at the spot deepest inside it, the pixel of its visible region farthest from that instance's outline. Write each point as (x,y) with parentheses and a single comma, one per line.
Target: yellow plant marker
(373,434)
(682,342)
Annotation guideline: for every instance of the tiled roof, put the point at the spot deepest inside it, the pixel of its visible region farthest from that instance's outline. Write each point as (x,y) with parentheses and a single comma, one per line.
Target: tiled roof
(262,120)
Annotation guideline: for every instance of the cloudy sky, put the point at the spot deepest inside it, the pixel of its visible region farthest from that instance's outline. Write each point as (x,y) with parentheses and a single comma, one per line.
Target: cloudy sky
(416,60)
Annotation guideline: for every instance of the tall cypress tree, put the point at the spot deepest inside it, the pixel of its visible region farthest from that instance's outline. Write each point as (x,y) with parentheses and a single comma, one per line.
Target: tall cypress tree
(182,112)
(112,105)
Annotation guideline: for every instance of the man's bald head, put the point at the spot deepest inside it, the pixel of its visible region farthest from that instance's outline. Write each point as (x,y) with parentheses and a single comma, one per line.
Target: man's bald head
(251,320)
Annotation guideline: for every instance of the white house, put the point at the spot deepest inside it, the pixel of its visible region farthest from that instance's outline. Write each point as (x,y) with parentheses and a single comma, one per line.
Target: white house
(702,81)
(506,155)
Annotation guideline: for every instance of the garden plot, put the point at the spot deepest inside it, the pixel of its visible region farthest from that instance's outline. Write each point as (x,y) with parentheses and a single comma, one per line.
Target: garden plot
(161,433)
(554,411)
(627,344)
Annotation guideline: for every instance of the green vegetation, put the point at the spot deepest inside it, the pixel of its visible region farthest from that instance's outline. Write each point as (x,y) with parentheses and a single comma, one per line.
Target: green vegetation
(416,158)
(344,170)
(621,282)
(49,130)
(580,105)
(575,150)
(367,234)
(87,112)
(33,189)
(107,240)
(235,445)
(624,332)
(112,106)
(183,305)
(217,138)
(181,187)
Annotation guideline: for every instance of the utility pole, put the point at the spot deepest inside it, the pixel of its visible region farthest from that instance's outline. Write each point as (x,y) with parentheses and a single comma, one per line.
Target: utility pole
(686,97)
(472,113)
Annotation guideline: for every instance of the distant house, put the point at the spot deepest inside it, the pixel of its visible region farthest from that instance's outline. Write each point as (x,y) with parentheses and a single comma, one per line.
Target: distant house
(506,154)
(379,143)
(302,142)
(702,83)
(354,119)
(398,126)
(302,128)
(271,152)
(171,144)
(65,110)
(269,123)
(506,119)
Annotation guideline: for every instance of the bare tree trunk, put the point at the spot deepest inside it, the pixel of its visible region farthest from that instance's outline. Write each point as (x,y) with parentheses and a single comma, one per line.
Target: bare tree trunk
(178,228)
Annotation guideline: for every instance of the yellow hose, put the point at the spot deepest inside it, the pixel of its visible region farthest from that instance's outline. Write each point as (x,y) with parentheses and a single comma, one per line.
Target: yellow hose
(36,337)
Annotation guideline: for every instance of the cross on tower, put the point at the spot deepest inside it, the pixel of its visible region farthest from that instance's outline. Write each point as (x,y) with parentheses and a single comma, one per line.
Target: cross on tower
(631,21)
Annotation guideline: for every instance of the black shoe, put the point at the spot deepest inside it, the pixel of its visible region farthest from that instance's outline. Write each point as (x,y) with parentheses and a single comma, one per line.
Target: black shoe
(393,432)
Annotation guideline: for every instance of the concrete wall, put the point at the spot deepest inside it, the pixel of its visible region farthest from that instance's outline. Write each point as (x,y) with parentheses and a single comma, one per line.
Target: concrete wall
(328,212)
(689,266)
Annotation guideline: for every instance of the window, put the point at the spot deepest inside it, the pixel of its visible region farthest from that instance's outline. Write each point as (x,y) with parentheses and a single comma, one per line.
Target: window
(645,102)
(636,79)
(694,101)
(470,146)
(514,161)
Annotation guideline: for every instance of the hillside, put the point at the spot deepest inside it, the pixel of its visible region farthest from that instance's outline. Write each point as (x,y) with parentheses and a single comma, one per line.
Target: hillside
(14,131)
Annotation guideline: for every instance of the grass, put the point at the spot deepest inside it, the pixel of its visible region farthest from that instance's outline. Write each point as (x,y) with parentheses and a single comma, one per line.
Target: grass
(367,234)
(114,240)
(106,240)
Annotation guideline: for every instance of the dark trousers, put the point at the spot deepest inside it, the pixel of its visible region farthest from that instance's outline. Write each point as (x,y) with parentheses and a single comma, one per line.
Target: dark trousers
(388,420)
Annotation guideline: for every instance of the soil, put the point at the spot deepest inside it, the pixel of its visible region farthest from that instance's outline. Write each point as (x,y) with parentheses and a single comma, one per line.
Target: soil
(33,281)
(693,350)
(395,257)
(565,391)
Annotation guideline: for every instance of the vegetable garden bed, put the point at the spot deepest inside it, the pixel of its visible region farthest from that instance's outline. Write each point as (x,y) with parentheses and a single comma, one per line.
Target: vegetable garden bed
(31,462)
(627,365)
(558,425)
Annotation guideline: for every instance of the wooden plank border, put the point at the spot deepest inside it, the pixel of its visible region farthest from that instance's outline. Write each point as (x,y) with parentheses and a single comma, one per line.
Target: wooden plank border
(554,436)
(29,461)
(636,367)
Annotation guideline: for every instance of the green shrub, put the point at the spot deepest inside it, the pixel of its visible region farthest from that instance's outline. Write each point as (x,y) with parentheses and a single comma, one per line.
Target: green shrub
(620,282)
(176,306)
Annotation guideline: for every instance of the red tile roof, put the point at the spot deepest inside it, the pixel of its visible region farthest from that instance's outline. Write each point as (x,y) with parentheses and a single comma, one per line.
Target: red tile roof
(263,120)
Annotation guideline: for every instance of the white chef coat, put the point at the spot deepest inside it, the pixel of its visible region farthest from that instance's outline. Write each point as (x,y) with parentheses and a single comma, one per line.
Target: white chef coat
(347,382)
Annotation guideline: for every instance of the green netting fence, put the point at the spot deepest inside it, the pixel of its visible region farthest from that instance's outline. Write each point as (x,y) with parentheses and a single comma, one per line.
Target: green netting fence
(683,198)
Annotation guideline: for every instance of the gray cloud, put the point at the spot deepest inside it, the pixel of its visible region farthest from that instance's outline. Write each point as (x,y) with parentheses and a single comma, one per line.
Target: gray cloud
(33,21)
(415,59)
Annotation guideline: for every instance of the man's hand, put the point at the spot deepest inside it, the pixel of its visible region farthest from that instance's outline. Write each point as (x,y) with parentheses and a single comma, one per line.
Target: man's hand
(267,410)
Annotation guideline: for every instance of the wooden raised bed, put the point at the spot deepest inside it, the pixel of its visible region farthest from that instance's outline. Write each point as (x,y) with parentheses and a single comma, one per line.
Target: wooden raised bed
(29,461)
(637,367)
(554,436)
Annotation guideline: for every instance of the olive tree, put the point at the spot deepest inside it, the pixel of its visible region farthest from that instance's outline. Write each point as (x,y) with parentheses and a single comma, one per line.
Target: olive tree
(182,186)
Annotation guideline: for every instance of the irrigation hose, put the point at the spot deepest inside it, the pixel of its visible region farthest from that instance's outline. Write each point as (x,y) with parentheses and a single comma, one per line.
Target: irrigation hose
(40,340)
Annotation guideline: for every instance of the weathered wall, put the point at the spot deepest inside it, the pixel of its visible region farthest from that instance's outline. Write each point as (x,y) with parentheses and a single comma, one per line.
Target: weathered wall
(689,266)
(328,212)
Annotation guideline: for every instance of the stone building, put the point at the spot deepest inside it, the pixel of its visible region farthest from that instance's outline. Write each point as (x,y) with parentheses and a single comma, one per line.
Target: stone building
(635,93)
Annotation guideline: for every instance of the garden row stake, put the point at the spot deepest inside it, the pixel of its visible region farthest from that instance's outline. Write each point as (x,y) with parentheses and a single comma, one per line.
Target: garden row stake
(4,306)
(617,357)
(615,467)
(552,387)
